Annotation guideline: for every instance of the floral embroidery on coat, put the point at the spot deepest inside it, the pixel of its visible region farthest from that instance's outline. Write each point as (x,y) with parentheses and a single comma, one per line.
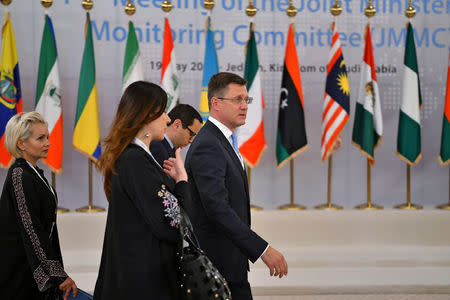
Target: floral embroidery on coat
(171,207)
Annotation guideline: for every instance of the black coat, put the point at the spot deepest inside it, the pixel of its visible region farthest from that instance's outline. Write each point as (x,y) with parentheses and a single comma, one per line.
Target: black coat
(139,249)
(220,205)
(31,265)
(161,150)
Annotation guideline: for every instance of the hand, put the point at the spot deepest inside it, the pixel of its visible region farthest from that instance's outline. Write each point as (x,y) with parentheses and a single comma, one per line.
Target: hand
(174,167)
(275,262)
(68,285)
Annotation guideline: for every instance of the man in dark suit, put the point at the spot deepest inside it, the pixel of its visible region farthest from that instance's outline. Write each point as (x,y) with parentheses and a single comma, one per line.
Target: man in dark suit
(220,205)
(183,127)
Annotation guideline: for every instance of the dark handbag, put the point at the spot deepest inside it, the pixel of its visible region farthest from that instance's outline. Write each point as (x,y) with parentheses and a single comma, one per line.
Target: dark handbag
(199,279)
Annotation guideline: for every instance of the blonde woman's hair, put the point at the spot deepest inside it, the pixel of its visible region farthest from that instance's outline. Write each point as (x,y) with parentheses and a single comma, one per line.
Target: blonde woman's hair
(19,128)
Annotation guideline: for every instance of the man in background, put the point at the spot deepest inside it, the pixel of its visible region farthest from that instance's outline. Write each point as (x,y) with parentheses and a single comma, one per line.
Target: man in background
(183,127)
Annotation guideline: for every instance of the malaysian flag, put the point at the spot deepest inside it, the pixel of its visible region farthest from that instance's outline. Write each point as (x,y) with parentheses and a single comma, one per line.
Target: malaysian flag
(336,107)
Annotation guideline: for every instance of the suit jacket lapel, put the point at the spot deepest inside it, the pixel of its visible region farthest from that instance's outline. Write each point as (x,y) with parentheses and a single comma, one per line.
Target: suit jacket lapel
(170,150)
(226,144)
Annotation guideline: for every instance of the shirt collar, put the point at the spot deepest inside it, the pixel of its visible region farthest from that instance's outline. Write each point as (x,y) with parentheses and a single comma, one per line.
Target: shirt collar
(168,140)
(224,129)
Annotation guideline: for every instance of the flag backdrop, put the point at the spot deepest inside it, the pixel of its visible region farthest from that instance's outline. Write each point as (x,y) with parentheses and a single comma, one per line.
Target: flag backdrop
(48,96)
(210,67)
(336,106)
(86,135)
(444,155)
(408,137)
(132,65)
(169,74)
(251,140)
(10,93)
(368,123)
(291,133)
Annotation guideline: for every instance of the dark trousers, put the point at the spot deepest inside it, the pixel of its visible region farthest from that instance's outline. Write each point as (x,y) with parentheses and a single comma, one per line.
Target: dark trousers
(240,291)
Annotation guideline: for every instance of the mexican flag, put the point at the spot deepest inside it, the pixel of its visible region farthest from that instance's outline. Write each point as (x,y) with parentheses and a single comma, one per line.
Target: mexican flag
(408,138)
(251,140)
(48,96)
(132,65)
(368,124)
(169,74)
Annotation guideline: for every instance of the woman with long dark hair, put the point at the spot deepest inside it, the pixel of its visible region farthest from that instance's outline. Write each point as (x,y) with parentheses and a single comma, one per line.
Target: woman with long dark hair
(31,264)
(139,249)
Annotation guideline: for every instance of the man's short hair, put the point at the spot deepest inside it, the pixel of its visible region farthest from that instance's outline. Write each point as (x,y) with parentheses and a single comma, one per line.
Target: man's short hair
(218,84)
(185,113)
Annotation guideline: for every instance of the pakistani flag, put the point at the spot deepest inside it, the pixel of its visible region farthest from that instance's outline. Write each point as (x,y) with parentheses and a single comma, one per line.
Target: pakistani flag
(251,140)
(444,155)
(291,133)
(132,65)
(48,96)
(408,138)
(169,74)
(368,124)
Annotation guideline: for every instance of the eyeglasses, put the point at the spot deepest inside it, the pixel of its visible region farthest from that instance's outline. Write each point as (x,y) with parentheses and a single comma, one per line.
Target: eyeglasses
(191,133)
(247,100)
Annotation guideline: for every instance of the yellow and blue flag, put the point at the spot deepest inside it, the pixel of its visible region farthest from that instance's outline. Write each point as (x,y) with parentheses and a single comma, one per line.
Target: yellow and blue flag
(86,135)
(210,67)
(10,94)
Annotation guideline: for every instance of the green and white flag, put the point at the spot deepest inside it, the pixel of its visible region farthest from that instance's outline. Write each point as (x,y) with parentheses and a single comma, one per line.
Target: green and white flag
(408,138)
(132,65)
(48,96)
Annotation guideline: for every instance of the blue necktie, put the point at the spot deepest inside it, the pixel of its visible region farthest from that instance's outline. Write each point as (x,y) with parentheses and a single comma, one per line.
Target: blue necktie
(235,145)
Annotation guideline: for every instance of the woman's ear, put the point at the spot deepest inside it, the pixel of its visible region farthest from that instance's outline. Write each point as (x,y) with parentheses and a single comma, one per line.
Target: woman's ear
(20,145)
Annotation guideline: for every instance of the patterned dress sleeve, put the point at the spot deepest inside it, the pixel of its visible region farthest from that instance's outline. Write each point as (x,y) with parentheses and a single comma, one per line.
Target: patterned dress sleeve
(47,269)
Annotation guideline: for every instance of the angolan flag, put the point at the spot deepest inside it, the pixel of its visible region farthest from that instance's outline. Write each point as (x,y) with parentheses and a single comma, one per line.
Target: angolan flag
(368,124)
(444,155)
(48,96)
(408,138)
(169,74)
(251,140)
(132,65)
(291,133)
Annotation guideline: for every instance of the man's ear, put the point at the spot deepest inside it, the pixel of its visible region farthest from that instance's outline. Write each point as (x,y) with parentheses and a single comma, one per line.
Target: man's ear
(177,124)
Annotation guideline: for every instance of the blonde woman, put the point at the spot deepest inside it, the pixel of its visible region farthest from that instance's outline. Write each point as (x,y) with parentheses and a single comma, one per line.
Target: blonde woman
(30,256)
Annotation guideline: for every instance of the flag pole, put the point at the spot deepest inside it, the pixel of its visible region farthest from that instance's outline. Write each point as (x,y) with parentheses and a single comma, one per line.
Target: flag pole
(59,209)
(370,11)
(292,205)
(250,11)
(90,208)
(447,206)
(410,13)
(368,205)
(329,205)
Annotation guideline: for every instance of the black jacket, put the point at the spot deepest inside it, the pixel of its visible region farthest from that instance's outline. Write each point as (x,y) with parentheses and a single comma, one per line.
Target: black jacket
(139,249)
(161,150)
(31,265)
(220,205)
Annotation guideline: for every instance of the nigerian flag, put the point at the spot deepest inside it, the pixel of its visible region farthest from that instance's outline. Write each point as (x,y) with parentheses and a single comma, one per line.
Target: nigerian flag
(132,65)
(408,138)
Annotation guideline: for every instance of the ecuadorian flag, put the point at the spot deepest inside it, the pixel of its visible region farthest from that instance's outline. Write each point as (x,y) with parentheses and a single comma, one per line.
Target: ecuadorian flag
(10,95)
(86,135)
(210,67)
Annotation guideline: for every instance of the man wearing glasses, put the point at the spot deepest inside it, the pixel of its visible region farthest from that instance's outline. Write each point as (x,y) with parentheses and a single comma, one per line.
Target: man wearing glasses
(185,122)
(220,204)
